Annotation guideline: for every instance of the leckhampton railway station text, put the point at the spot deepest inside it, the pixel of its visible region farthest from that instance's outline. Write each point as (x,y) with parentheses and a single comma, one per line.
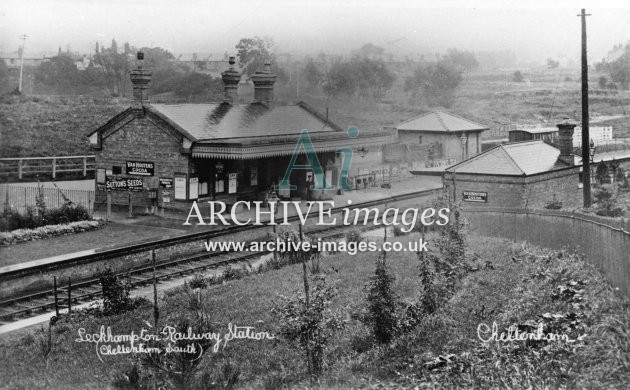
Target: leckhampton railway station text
(323,210)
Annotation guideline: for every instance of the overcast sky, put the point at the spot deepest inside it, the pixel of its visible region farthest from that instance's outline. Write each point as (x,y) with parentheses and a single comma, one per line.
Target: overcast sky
(534,30)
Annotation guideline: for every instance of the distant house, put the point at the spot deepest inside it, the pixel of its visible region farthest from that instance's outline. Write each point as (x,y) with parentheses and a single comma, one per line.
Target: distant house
(439,139)
(528,174)
(548,134)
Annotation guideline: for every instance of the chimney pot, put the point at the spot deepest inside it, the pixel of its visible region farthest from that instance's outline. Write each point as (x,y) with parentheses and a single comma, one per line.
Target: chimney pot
(263,84)
(230,78)
(565,139)
(140,79)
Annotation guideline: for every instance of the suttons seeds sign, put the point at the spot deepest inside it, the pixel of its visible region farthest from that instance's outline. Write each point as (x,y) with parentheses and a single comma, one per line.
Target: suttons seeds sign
(124,184)
(141,168)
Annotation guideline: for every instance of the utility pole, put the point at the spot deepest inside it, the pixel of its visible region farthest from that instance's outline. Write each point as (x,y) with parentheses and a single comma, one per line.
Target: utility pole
(23,38)
(586,163)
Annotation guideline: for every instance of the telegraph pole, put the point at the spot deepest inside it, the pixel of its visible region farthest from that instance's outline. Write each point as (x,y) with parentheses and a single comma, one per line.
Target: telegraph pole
(23,38)
(586,163)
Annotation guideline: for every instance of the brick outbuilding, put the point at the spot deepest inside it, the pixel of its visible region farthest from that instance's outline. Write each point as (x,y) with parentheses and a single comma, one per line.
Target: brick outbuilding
(531,174)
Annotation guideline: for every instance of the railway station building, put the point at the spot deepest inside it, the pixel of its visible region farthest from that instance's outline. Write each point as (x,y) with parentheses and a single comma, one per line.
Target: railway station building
(168,155)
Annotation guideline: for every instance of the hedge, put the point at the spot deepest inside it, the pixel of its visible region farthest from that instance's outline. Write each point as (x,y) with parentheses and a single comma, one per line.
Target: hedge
(21,235)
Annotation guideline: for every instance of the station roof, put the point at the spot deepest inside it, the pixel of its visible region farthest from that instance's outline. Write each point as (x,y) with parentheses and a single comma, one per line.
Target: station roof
(519,158)
(224,120)
(245,131)
(440,121)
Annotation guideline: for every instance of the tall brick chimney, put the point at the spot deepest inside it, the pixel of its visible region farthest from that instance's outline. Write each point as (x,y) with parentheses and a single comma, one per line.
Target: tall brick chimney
(230,78)
(140,79)
(263,84)
(565,140)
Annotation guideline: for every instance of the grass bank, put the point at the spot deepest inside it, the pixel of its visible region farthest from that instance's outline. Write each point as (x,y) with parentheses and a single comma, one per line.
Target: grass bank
(510,284)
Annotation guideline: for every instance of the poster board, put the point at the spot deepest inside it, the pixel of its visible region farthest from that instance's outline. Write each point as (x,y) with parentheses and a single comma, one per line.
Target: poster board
(232,183)
(180,187)
(219,186)
(193,188)
(100,176)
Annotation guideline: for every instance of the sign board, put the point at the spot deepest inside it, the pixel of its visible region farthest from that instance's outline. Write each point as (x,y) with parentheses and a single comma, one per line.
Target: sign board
(166,182)
(141,168)
(100,176)
(123,184)
(475,196)
(193,188)
(232,183)
(180,187)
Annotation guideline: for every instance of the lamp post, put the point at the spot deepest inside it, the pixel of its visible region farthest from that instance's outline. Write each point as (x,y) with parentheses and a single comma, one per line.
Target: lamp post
(464,139)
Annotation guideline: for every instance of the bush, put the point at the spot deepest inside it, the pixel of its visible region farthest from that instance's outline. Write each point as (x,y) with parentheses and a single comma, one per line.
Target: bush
(606,205)
(20,235)
(11,219)
(354,235)
(115,293)
(382,303)
(308,323)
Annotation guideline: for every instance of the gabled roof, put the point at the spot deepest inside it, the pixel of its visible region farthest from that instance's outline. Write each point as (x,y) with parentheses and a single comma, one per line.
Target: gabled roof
(518,158)
(442,122)
(224,120)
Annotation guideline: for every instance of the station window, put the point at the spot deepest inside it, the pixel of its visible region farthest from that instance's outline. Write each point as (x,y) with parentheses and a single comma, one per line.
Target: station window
(116,170)
(420,140)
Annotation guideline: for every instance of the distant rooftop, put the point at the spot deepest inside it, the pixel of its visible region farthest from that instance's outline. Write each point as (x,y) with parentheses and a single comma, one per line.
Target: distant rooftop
(519,158)
(442,122)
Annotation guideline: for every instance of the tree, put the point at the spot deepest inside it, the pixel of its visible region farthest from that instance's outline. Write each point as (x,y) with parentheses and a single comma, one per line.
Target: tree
(382,303)
(314,77)
(464,60)
(620,69)
(437,83)
(4,74)
(115,67)
(193,84)
(369,50)
(551,64)
(603,82)
(253,52)
(601,172)
(371,77)
(339,80)
(59,71)
(517,77)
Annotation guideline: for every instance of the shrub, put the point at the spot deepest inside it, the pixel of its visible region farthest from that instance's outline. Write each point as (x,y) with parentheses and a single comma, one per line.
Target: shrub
(354,235)
(115,293)
(11,219)
(554,205)
(606,204)
(382,303)
(307,322)
(47,231)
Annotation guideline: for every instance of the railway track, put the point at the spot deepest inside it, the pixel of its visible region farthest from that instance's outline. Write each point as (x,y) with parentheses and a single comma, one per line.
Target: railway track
(40,302)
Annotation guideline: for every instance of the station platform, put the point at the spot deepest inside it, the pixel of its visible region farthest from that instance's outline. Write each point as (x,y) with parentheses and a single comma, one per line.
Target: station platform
(62,248)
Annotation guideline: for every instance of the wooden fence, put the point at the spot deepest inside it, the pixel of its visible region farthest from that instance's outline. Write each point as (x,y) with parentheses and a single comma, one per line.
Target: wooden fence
(604,242)
(20,168)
